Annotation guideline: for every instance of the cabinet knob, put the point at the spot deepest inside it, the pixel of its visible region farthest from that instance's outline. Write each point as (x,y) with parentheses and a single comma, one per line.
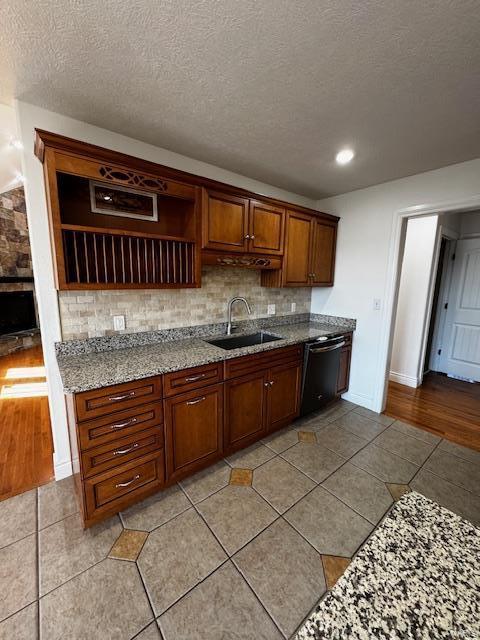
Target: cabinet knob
(252,237)
(266,384)
(247,237)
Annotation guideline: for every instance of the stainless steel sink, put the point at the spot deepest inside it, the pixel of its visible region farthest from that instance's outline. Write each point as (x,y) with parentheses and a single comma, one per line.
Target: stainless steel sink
(236,342)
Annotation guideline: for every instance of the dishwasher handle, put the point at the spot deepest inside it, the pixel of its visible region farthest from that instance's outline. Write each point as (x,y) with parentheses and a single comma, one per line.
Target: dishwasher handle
(331,348)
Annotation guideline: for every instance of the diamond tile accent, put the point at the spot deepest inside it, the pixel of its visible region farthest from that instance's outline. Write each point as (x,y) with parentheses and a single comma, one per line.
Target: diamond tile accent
(241,477)
(334,568)
(398,490)
(307,436)
(128,545)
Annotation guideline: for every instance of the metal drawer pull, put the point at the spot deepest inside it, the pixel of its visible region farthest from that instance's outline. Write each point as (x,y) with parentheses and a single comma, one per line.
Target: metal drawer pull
(195,378)
(121,452)
(124,396)
(126,484)
(122,425)
(196,401)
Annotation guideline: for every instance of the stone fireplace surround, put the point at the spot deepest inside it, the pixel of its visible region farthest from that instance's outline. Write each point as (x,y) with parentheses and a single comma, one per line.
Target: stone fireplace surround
(16,272)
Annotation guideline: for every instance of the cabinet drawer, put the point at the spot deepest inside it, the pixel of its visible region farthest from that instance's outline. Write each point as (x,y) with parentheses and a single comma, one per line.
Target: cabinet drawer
(251,364)
(193,378)
(128,483)
(111,428)
(123,450)
(99,402)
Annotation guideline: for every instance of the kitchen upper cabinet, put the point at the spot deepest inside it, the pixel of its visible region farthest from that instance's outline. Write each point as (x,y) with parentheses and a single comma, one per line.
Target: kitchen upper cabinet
(245,409)
(193,430)
(240,225)
(225,222)
(266,225)
(324,235)
(283,395)
(309,256)
(297,258)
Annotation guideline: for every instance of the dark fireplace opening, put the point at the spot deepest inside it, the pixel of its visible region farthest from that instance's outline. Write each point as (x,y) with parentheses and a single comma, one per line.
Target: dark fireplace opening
(17,312)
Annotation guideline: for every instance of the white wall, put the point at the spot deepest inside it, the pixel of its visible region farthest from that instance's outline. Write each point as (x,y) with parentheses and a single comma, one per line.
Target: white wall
(418,265)
(30,117)
(10,160)
(367,261)
(470,224)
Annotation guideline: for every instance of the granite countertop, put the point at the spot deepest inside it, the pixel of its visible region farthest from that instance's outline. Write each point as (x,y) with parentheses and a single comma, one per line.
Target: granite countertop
(95,370)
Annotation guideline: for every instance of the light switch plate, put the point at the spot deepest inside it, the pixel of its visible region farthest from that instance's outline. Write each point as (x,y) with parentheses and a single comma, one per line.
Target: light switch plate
(293,306)
(271,309)
(377,304)
(119,323)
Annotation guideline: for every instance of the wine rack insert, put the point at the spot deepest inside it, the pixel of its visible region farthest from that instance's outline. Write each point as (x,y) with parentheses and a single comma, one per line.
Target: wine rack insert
(97,258)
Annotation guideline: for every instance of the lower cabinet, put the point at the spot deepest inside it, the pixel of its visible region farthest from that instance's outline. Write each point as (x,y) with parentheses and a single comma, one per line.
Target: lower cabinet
(245,409)
(259,403)
(283,395)
(163,429)
(193,430)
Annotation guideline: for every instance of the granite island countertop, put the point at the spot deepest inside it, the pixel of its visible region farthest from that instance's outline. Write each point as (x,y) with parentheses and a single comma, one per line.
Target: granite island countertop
(95,370)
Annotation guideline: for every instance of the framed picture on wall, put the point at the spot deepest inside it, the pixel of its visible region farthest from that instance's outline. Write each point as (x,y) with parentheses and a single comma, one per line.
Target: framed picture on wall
(115,200)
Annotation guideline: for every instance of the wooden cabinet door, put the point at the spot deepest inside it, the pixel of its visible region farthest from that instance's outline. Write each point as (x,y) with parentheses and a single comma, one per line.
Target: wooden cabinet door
(283,395)
(225,222)
(245,410)
(297,249)
(323,252)
(344,370)
(193,430)
(266,228)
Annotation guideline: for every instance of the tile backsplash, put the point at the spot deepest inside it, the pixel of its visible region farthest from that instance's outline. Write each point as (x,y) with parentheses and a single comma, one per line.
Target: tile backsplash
(89,314)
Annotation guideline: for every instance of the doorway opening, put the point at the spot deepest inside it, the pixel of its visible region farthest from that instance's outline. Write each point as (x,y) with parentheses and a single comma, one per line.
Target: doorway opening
(434,379)
(26,445)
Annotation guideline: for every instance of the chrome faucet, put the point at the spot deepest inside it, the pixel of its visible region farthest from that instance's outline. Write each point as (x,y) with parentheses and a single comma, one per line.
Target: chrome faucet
(229,309)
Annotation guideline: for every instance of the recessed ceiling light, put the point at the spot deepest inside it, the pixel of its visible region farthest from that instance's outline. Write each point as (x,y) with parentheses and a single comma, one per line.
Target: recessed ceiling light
(344,156)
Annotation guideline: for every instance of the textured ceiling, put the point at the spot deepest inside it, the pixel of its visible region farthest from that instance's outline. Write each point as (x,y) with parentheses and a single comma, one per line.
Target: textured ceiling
(268,88)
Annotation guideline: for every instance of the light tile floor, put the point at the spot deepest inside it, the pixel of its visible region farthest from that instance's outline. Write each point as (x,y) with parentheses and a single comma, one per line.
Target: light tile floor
(213,557)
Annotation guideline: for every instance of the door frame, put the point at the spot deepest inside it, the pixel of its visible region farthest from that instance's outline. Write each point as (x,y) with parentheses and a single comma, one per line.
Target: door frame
(397,245)
(434,359)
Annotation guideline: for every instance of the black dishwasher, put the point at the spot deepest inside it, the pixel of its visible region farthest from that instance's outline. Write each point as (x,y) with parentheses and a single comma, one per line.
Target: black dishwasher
(320,372)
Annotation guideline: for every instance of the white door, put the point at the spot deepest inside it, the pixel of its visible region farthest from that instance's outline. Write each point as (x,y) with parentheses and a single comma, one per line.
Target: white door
(461,344)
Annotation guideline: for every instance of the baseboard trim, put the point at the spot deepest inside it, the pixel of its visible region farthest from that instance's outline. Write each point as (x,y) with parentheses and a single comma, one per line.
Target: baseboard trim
(358,398)
(401,378)
(63,470)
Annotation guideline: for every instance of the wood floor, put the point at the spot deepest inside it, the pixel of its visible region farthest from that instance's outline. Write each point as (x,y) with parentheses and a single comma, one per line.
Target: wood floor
(447,407)
(26,446)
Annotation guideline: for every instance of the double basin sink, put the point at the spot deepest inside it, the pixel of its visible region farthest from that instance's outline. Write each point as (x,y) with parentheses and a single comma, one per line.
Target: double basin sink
(236,342)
